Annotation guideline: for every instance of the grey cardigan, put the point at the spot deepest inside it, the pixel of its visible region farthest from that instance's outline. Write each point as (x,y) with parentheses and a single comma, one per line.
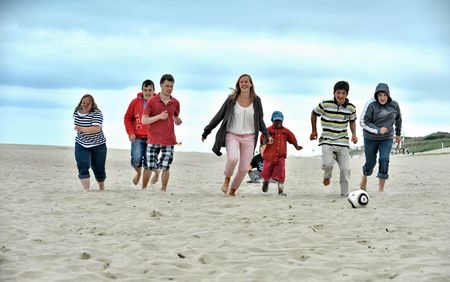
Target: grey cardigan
(224,115)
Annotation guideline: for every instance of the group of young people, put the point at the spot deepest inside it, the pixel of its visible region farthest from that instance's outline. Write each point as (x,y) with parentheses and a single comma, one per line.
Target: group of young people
(150,120)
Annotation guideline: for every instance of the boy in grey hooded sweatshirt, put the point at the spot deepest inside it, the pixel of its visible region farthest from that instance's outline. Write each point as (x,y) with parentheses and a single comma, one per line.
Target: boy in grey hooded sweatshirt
(380,119)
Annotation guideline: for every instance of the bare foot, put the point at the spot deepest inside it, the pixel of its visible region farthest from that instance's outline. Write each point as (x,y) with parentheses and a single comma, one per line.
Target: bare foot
(232,192)
(86,190)
(136,179)
(225,185)
(326,181)
(163,189)
(155,177)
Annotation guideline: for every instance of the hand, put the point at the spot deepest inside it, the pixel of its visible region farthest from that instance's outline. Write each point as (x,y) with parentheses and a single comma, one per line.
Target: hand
(203,139)
(77,128)
(313,135)
(398,139)
(383,130)
(177,120)
(163,115)
(299,148)
(270,140)
(354,139)
(132,138)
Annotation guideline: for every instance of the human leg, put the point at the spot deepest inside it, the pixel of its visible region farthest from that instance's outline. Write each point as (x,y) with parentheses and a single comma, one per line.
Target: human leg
(279,175)
(363,183)
(164,164)
(145,177)
(370,152)
(246,147)
(138,153)
(383,162)
(83,159)
(155,177)
(232,147)
(343,161)
(98,160)
(266,174)
(164,180)
(328,159)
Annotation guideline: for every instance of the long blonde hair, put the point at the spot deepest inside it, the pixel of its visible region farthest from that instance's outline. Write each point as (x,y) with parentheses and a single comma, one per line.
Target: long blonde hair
(237,90)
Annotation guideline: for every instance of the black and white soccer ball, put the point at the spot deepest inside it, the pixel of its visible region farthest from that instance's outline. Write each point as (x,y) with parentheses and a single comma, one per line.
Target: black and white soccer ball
(358,198)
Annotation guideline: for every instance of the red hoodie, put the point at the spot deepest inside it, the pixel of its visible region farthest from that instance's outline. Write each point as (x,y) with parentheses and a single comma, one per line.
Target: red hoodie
(133,117)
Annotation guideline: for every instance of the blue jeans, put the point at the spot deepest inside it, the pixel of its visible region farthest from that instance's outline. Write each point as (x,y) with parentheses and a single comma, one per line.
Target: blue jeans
(138,153)
(371,148)
(87,157)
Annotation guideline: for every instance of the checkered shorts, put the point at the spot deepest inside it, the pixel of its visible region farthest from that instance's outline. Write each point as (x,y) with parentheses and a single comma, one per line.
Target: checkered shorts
(165,159)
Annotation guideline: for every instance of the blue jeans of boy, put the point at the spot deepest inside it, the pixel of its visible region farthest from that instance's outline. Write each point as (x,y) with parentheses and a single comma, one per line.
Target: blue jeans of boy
(371,149)
(138,153)
(94,157)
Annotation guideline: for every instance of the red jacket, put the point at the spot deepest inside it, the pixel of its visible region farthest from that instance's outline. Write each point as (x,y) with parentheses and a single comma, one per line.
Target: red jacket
(278,148)
(133,118)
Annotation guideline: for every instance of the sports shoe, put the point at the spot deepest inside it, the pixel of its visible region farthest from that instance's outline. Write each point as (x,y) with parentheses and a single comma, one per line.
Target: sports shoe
(265,186)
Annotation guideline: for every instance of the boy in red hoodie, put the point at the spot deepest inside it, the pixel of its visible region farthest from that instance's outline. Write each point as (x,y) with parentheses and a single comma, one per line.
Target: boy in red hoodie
(137,134)
(275,153)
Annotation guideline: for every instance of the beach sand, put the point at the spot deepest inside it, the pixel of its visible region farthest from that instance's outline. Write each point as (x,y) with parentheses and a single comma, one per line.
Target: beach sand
(52,231)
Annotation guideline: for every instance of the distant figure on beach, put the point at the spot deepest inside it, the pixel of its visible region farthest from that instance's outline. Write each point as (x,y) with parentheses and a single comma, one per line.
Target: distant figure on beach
(256,167)
(90,142)
(378,118)
(138,134)
(161,113)
(242,119)
(335,115)
(275,154)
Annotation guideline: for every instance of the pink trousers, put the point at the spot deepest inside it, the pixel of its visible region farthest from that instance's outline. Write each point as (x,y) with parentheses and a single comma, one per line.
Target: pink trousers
(239,148)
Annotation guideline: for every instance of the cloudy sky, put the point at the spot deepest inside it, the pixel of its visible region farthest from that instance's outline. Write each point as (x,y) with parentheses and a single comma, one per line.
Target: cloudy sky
(53,52)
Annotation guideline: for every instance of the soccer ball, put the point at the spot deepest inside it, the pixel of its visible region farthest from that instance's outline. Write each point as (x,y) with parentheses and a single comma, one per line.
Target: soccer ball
(358,198)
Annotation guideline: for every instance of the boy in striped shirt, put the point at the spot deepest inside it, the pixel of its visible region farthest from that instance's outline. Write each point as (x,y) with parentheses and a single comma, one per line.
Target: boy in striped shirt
(335,115)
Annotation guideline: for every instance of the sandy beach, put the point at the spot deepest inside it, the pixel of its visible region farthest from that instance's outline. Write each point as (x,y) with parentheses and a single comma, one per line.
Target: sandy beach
(52,231)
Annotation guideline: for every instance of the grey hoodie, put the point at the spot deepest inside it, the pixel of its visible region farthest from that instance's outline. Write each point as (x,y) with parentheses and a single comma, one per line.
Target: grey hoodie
(375,116)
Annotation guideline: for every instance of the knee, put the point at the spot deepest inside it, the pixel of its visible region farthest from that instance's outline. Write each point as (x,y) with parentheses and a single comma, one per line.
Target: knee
(83,171)
(136,162)
(327,166)
(232,160)
(383,161)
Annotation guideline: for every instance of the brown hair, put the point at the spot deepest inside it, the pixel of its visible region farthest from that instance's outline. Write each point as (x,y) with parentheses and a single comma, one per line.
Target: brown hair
(94,105)
(237,90)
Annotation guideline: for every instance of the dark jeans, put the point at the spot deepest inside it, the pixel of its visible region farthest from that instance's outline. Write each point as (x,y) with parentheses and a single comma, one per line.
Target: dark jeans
(371,149)
(94,157)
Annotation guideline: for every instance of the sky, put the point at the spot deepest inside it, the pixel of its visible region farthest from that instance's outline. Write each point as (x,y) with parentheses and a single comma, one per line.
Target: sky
(53,52)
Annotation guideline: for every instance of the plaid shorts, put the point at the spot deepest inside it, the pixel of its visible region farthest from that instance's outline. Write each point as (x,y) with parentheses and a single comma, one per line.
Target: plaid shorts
(165,159)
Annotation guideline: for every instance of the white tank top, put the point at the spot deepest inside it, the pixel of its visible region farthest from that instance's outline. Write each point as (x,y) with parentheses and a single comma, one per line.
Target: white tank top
(242,121)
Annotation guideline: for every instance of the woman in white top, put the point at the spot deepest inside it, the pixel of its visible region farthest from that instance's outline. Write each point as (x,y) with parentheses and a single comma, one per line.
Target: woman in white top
(242,120)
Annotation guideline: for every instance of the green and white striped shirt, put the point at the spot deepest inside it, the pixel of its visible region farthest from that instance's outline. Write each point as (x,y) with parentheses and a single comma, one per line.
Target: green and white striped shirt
(334,120)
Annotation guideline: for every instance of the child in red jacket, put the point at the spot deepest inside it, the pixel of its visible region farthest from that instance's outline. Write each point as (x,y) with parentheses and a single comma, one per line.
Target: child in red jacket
(275,153)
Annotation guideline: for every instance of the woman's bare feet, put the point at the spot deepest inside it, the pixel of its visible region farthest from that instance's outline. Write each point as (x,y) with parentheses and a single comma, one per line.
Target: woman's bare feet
(226,184)
(232,192)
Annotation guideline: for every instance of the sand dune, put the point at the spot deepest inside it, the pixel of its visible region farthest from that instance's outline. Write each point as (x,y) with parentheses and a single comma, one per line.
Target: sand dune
(52,231)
